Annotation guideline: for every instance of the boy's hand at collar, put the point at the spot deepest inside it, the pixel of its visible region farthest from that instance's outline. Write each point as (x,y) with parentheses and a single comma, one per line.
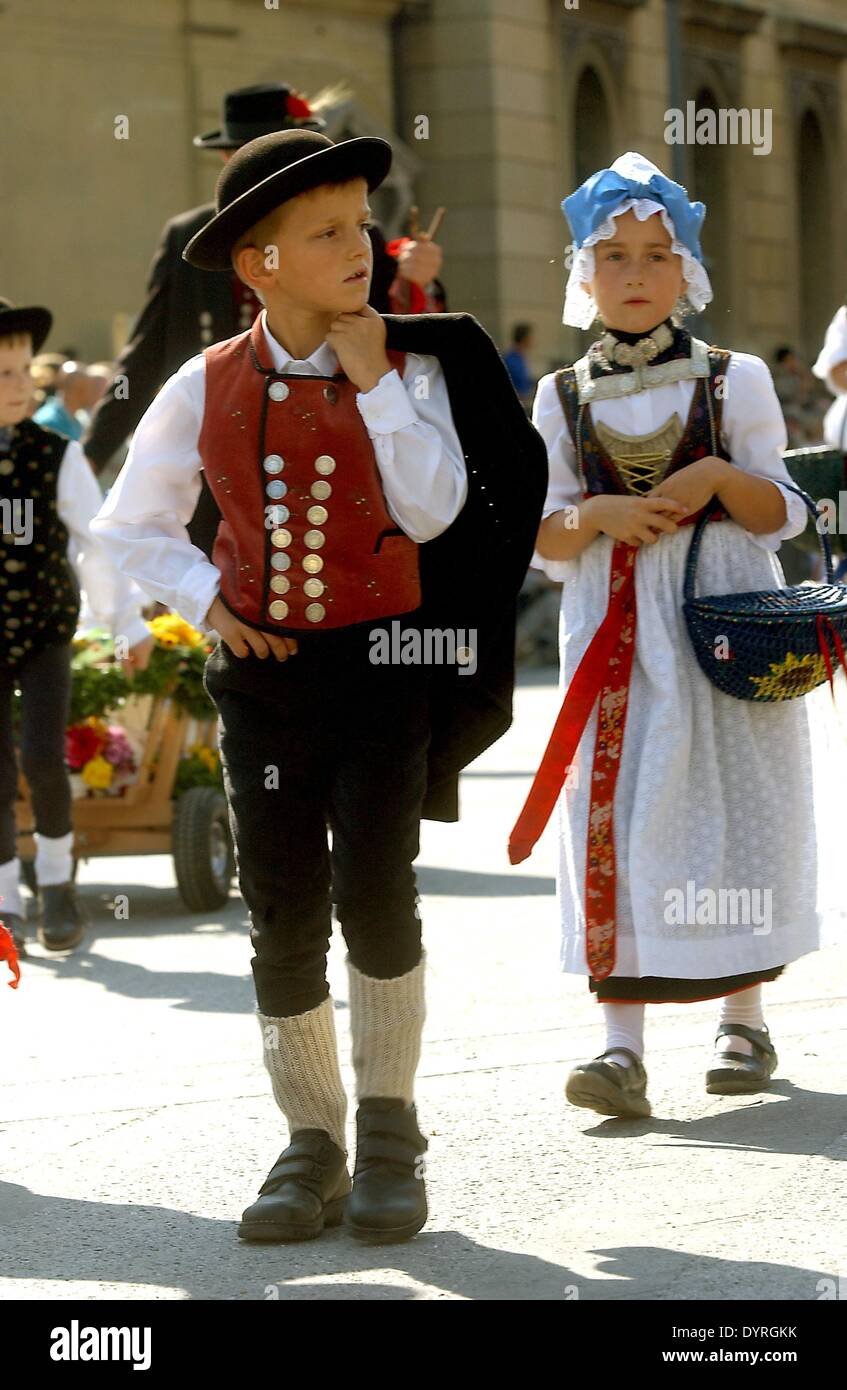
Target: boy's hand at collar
(358,341)
(242,639)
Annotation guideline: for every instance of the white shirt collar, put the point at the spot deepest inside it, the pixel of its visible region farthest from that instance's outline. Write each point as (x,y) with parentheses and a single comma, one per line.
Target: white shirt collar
(322,362)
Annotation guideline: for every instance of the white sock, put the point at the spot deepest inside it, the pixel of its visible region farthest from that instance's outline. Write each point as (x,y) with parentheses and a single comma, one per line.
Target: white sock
(53,859)
(624,1028)
(743,1007)
(10,893)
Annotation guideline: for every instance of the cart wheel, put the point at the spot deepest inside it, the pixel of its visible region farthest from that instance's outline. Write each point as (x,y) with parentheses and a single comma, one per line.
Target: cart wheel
(202,849)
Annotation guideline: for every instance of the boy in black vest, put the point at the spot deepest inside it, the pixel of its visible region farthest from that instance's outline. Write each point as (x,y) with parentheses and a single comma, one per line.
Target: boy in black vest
(48,496)
(349,499)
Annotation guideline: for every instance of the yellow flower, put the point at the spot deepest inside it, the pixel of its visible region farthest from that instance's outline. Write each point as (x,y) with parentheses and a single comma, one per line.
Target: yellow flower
(98,773)
(171,630)
(793,676)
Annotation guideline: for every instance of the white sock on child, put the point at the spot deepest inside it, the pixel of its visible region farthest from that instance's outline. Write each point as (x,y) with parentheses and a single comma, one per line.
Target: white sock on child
(624,1028)
(10,893)
(53,859)
(744,1007)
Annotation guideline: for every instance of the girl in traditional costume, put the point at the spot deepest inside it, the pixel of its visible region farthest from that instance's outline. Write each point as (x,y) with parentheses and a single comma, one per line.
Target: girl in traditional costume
(688,854)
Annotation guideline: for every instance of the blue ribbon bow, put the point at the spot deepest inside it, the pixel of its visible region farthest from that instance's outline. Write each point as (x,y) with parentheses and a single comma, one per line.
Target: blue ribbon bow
(597,198)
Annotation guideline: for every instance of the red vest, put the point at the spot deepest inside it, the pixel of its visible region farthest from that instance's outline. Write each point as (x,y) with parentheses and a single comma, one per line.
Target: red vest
(305,539)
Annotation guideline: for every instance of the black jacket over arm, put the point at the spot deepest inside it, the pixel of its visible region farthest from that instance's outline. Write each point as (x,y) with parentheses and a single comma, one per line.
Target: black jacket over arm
(471,574)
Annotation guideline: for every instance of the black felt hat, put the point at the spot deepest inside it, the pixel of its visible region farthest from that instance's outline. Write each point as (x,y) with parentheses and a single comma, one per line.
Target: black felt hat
(33,320)
(249,112)
(269,171)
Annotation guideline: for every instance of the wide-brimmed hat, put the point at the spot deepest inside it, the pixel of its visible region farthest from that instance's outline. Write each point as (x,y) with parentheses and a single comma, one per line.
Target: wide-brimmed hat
(33,320)
(249,112)
(268,172)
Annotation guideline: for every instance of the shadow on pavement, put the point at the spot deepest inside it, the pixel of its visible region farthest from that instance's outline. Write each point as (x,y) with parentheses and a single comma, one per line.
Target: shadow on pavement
(811,1122)
(158,1247)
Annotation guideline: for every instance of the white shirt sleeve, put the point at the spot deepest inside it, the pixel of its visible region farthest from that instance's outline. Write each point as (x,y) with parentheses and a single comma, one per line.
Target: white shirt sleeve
(143,521)
(418,452)
(753,432)
(564,488)
(113,600)
(834,349)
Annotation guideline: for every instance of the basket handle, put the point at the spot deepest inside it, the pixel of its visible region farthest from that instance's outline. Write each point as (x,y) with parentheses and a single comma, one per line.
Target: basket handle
(696,539)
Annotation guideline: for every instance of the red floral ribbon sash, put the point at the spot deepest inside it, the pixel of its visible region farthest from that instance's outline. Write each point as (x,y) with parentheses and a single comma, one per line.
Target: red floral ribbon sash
(604,671)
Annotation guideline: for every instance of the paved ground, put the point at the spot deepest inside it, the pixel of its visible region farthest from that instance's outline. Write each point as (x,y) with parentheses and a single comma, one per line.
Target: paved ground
(137,1119)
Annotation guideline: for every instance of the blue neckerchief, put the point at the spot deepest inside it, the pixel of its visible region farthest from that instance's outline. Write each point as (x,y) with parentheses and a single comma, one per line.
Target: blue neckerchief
(597,198)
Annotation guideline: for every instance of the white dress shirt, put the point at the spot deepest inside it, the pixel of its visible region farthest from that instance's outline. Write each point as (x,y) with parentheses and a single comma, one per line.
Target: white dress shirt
(833,352)
(109,598)
(752,432)
(143,521)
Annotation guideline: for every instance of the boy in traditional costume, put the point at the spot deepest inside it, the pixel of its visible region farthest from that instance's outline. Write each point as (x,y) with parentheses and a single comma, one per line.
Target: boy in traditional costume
(365,468)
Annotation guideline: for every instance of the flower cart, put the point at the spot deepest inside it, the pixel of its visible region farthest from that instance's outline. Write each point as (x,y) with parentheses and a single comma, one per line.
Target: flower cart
(144,765)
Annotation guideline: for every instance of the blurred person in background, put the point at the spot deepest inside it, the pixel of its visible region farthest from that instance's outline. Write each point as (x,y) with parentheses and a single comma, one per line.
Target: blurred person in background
(76,391)
(831,368)
(517,364)
(803,403)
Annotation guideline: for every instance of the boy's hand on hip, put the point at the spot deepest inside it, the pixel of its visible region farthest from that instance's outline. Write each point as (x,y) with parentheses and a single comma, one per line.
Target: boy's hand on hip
(242,639)
(358,341)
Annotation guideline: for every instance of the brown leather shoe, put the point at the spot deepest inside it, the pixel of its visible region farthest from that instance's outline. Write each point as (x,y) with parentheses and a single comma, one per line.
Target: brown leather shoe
(609,1088)
(305,1191)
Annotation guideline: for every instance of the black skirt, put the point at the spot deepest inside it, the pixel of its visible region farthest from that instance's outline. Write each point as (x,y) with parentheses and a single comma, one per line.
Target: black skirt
(653,989)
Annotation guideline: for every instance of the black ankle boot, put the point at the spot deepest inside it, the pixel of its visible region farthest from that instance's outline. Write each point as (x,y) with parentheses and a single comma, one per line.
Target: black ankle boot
(62,917)
(305,1191)
(388,1201)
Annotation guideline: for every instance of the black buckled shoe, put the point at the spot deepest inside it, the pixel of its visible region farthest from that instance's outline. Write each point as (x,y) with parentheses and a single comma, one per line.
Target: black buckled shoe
(305,1191)
(610,1088)
(388,1201)
(739,1073)
(63,917)
(16,927)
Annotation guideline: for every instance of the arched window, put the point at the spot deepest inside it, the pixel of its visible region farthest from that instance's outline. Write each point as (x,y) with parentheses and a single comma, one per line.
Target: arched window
(592,127)
(818,291)
(708,181)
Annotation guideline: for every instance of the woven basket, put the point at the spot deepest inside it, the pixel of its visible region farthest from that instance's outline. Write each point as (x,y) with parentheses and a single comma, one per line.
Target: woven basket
(771,644)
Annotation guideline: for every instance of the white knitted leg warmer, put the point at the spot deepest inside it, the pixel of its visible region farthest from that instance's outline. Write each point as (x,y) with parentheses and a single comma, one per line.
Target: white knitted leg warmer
(386,1019)
(301,1056)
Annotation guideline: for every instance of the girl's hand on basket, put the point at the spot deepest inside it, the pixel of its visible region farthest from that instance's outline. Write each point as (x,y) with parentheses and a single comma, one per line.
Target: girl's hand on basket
(242,639)
(138,657)
(636,520)
(695,484)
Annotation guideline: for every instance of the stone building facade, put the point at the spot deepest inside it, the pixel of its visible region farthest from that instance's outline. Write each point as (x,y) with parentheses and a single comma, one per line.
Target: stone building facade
(500,108)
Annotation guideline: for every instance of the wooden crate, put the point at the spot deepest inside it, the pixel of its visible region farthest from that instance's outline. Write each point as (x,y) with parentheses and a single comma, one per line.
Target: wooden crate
(139,821)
